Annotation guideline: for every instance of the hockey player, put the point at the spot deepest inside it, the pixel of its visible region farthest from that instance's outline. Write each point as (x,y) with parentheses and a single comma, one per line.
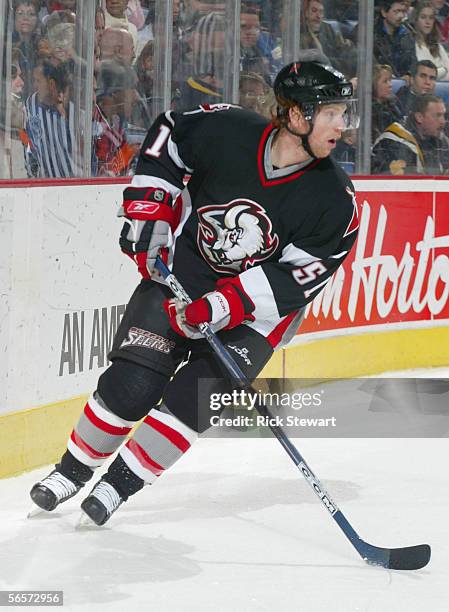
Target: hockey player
(266,219)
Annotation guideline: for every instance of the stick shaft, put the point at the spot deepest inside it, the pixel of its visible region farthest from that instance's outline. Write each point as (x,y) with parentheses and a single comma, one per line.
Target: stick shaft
(399,558)
(242,381)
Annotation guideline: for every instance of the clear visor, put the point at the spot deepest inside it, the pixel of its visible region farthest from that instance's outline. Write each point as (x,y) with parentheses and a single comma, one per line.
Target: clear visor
(338,113)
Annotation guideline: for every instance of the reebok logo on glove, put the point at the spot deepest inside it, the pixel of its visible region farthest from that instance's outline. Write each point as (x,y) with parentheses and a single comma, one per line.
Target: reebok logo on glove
(137,206)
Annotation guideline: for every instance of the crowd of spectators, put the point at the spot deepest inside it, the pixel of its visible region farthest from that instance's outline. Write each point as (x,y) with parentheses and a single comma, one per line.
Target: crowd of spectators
(410,124)
(411,67)
(409,93)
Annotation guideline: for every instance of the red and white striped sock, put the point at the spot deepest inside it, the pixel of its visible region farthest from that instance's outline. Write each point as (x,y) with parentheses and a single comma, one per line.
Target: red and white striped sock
(98,433)
(159,441)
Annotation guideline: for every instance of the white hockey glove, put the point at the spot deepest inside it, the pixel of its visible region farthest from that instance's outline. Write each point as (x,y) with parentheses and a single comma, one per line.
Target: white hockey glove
(145,234)
(224,308)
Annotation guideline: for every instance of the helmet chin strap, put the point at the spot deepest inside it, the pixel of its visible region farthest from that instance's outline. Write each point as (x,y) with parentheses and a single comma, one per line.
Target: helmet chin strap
(304,139)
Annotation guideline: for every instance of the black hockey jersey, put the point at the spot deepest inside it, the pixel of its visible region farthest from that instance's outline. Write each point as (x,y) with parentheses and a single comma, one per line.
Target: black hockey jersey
(283,231)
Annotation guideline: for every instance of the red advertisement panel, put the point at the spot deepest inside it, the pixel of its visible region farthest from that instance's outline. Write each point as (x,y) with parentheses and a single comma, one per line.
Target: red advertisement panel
(441,252)
(398,270)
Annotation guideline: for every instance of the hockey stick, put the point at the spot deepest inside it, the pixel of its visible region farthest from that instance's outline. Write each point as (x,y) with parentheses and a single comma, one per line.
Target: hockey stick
(407,558)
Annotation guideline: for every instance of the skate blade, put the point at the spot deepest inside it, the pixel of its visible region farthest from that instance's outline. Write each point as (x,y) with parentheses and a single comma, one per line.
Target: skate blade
(84,523)
(36,511)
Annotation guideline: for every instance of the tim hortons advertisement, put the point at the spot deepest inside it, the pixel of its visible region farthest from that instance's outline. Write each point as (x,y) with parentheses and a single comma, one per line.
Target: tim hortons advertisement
(398,270)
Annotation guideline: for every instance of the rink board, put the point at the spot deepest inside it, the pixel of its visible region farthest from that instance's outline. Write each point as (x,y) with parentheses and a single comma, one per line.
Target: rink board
(67,285)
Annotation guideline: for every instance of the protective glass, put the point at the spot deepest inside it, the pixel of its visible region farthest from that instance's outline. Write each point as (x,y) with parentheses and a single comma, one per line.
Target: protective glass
(333,116)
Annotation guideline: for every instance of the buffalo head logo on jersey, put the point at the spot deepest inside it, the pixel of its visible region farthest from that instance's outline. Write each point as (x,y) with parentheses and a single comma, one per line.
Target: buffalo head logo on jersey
(235,236)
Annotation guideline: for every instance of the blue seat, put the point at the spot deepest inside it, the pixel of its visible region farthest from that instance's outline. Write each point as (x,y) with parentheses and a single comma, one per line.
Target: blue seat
(442,90)
(342,27)
(336,25)
(348,167)
(397,84)
(347,27)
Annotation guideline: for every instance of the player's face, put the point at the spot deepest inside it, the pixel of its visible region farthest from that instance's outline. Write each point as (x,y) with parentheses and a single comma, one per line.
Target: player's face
(328,125)
(432,121)
(424,81)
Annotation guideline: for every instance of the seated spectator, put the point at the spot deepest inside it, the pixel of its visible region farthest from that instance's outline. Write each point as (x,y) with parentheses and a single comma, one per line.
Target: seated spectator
(272,52)
(12,119)
(112,154)
(57,17)
(194,10)
(252,58)
(16,91)
(423,81)
(122,118)
(56,20)
(115,17)
(428,46)
(268,39)
(442,16)
(100,23)
(135,13)
(270,15)
(205,85)
(119,98)
(419,147)
(146,33)
(25,37)
(407,11)
(50,124)
(317,34)
(394,44)
(385,105)
(345,150)
(252,92)
(117,44)
(61,40)
(145,71)
(48,7)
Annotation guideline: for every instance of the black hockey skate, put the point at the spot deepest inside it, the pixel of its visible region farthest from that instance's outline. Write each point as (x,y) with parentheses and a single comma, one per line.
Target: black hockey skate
(53,490)
(102,502)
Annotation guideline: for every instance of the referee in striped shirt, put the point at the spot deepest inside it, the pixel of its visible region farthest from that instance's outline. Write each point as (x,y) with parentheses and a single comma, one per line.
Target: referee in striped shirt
(50,124)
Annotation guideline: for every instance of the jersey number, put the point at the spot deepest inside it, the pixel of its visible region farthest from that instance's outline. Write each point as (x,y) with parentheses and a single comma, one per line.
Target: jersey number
(309,273)
(161,139)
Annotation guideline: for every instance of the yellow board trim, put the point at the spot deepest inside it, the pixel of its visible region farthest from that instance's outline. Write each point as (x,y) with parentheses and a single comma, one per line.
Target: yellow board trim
(369,353)
(31,438)
(35,437)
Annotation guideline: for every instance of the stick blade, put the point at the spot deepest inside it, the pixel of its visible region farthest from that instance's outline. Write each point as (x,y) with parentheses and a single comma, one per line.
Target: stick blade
(409,558)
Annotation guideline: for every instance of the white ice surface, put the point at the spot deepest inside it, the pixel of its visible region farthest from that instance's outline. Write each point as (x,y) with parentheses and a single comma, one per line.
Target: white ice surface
(234,527)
